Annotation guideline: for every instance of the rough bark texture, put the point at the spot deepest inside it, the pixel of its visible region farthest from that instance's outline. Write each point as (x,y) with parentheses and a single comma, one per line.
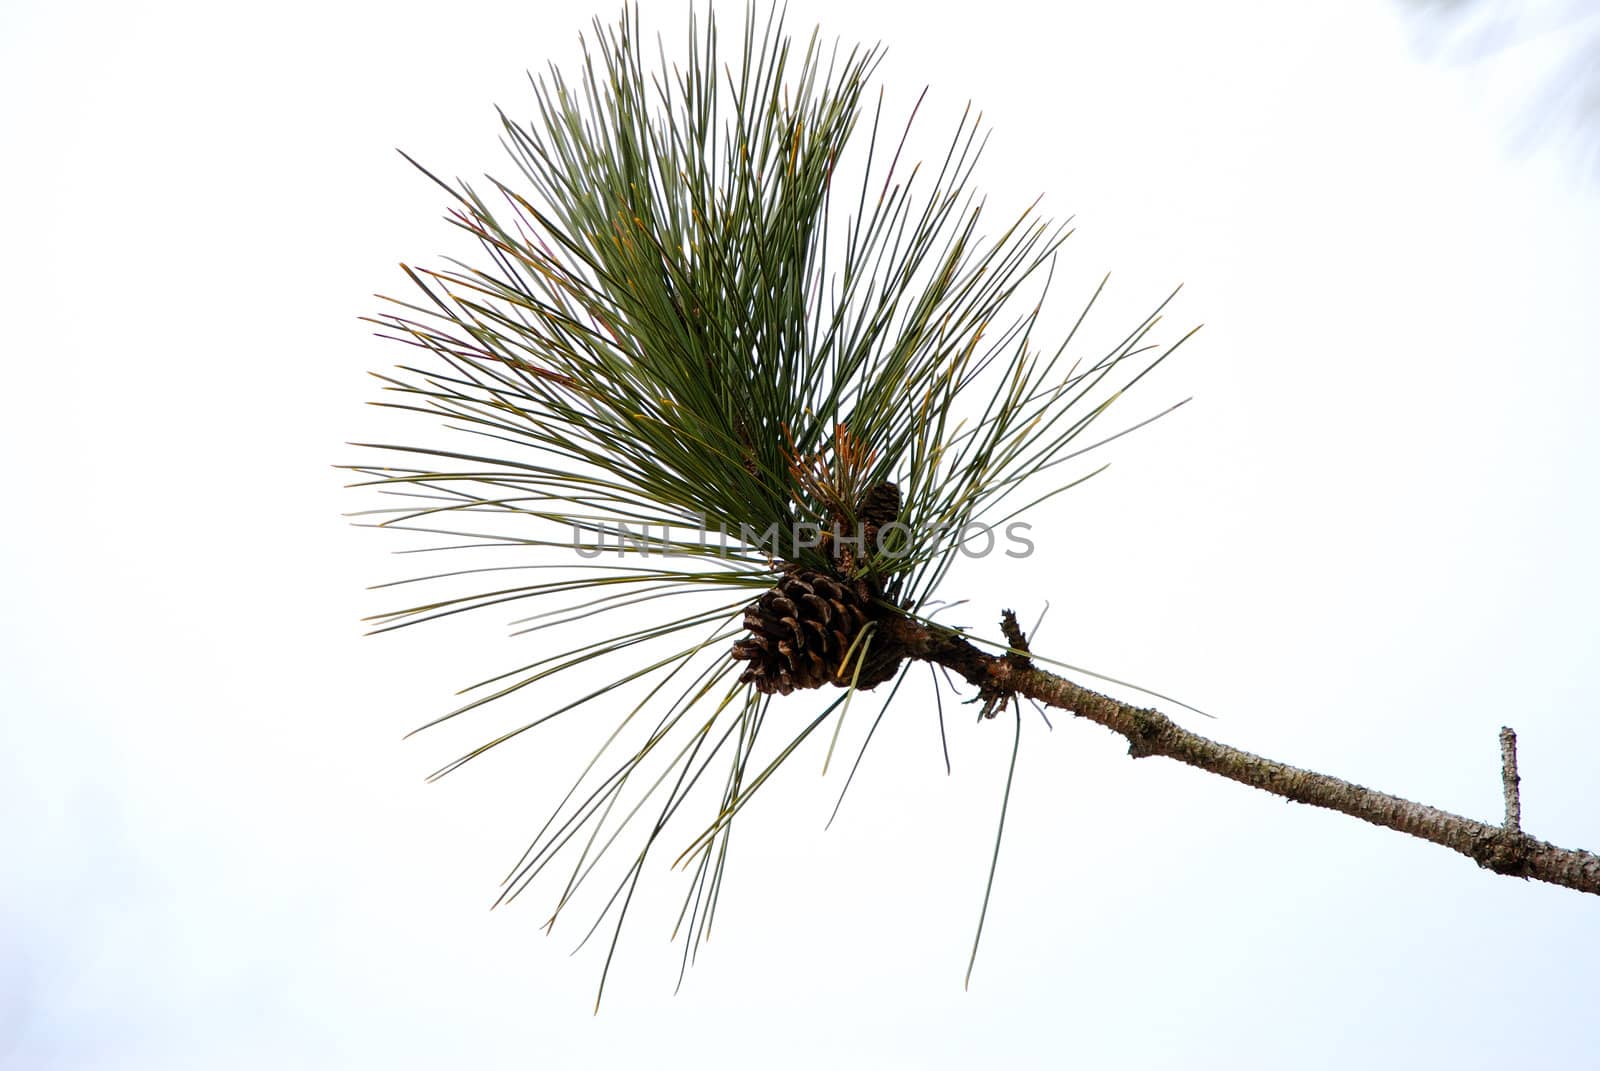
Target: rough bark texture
(1504,849)
(1510,782)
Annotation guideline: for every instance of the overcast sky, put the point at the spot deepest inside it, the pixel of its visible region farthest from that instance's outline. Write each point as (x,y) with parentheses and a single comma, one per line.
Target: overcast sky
(1365,546)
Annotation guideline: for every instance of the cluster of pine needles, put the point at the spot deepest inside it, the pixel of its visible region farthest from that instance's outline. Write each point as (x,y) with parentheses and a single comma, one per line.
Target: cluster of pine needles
(695,311)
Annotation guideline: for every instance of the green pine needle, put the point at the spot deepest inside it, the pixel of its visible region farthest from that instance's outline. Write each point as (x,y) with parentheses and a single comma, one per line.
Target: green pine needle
(715,298)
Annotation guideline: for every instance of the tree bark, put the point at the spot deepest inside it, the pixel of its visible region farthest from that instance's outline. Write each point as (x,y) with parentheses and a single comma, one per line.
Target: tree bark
(1504,849)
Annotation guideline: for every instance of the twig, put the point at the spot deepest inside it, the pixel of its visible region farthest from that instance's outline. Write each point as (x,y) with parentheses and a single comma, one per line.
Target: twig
(1509,779)
(1503,849)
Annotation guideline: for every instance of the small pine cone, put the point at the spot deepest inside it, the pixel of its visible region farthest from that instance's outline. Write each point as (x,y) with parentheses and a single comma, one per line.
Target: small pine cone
(802,629)
(879,506)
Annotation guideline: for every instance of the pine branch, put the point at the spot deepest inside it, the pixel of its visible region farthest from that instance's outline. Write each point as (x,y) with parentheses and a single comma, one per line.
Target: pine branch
(1504,849)
(705,311)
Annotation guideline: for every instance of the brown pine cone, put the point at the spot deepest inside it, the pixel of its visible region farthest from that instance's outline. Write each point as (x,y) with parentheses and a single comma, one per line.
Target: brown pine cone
(880,505)
(801,631)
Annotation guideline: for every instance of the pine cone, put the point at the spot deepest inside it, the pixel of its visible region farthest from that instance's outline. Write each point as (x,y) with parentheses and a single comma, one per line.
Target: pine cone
(879,506)
(801,631)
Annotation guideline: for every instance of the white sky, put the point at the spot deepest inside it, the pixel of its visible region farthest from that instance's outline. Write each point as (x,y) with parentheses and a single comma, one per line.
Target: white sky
(1366,546)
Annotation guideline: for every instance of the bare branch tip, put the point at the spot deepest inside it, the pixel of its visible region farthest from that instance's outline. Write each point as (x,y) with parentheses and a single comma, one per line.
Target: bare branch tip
(1509,780)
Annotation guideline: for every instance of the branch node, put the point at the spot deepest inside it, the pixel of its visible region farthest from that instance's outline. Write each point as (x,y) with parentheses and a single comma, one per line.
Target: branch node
(996,688)
(1505,851)
(1148,729)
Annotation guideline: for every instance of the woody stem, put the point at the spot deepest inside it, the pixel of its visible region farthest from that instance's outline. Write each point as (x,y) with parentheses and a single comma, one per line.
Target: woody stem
(1504,849)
